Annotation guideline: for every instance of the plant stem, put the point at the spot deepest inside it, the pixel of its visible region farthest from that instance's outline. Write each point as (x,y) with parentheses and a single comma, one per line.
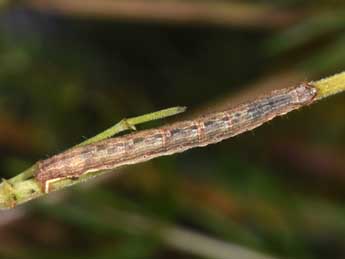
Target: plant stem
(219,13)
(24,186)
(127,124)
(330,85)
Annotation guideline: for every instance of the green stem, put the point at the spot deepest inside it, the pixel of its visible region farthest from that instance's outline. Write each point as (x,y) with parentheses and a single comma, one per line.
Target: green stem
(127,124)
(330,85)
(24,187)
(28,173)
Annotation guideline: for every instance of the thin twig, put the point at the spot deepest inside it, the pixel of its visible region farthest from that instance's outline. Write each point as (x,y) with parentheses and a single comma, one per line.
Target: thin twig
(126,124)
(23,187)
(330,86)
(179,12)
(20,189)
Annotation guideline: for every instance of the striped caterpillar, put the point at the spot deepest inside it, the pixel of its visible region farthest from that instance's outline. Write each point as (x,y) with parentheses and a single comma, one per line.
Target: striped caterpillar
(174,138)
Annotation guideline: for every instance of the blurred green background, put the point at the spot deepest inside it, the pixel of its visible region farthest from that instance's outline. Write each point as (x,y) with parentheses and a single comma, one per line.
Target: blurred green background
(69,69)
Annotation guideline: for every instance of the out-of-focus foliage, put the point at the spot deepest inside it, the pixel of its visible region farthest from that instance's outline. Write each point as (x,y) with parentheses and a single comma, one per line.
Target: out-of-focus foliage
(319,39)
(278,190)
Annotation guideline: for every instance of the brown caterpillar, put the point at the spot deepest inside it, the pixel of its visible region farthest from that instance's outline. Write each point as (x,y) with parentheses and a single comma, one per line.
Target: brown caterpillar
(174,138)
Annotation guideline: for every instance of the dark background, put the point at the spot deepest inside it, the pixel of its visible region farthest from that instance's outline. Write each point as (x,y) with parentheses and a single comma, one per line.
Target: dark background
(67,74)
